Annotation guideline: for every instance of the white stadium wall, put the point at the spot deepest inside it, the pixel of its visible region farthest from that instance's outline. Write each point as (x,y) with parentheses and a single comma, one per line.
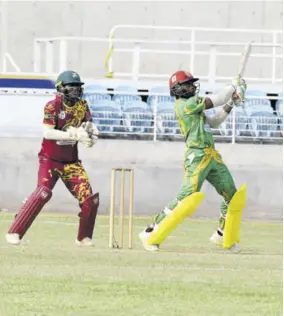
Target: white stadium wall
(158,168)
(38,19)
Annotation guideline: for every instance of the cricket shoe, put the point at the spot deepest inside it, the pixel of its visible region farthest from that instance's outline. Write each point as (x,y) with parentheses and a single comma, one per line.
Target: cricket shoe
(85,242)
(144,236)
(13,239)
(217,239)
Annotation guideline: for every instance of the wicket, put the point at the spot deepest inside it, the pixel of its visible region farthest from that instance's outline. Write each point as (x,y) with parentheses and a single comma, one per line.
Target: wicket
(112,241)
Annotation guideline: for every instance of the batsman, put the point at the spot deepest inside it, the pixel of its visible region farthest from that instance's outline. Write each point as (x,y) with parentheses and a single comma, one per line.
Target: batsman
(201,162)
(67,121)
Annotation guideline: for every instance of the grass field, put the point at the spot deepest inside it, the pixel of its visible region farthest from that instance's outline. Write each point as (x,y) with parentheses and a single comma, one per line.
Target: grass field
(49,275)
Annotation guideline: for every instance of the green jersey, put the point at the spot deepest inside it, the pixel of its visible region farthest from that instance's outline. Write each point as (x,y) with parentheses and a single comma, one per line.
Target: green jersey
(192,122)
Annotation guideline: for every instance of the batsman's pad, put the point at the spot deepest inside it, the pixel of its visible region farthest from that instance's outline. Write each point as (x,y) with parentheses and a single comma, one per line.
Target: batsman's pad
(185,209)
(30,210)
(233,218)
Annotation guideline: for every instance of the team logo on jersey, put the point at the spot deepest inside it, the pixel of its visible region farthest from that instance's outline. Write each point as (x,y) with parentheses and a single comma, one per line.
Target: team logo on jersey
(62,115)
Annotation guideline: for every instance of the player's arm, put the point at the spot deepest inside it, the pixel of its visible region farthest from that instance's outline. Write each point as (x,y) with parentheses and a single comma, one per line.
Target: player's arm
(236,90)
(215,100)
(198,104)
(49,131)
(218,115)
(230,97)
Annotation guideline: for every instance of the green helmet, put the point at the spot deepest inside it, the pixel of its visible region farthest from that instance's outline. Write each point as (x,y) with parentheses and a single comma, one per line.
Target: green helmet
(69,85)
(69,77)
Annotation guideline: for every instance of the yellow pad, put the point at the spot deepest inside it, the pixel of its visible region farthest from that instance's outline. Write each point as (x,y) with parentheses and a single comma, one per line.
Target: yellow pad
(233,218)
(170,222)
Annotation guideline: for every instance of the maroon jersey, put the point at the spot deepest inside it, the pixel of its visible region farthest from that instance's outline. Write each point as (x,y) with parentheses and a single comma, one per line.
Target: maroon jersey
(61,116)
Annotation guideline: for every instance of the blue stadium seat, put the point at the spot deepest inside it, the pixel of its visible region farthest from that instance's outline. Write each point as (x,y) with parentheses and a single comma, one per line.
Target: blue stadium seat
(251,104)
(92,97)
(226,128)
(137,117)
(124,99)
(279,105)
(166,119)
(160,98)
(106,115)
(279,110)
(262,122)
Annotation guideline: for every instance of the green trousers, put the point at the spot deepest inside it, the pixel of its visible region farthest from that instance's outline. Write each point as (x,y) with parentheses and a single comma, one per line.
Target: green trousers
(201,165)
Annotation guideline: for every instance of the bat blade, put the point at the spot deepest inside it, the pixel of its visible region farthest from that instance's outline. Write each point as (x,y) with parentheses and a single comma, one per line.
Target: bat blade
(244,60)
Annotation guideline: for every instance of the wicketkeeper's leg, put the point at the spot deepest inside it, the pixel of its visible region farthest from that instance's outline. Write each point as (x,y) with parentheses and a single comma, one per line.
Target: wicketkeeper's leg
(30,210)
(76,180)
(47,178)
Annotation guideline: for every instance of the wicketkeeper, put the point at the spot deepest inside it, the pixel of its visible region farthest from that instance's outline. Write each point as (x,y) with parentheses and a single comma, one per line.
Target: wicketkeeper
(201,161)
(67,121)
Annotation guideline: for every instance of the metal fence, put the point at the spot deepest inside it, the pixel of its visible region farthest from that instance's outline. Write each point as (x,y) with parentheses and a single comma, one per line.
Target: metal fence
(136,58)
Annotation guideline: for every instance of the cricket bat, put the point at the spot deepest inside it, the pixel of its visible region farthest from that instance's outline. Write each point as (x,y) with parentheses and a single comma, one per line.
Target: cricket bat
(244,60)
(242,65)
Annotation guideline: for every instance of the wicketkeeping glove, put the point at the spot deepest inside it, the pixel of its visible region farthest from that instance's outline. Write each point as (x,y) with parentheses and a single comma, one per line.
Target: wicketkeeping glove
(80,135)
(92,132)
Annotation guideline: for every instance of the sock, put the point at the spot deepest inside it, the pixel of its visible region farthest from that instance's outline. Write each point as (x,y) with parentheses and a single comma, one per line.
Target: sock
(220,232)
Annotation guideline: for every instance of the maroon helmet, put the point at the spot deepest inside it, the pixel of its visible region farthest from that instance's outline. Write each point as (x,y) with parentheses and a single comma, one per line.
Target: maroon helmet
(181,84)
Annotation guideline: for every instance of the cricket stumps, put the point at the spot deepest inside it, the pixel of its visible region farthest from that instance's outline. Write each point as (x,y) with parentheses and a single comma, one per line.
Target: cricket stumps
(113,243)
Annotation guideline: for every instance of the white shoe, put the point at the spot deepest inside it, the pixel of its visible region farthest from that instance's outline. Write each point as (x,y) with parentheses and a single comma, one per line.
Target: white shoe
(13,239)
(86,242)
(235,248)
(144,238)
(217,239)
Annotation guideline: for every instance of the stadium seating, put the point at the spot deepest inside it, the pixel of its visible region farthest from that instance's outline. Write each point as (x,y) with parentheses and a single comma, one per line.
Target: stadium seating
(160,98)
(91,93)
(127,113)
(263,122)
(106,115)
(254,101)
(226,128)
(137,117)
(166,118)
(279,110)
(124,99)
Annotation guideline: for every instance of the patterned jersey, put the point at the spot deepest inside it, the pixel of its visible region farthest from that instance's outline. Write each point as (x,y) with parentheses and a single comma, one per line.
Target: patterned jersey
(192,122)
(61,116)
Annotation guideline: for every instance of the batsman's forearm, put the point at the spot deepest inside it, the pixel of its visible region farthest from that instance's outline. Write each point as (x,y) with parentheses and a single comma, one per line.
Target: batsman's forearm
(228,107)
(53,134)
(219,114)
(223,96)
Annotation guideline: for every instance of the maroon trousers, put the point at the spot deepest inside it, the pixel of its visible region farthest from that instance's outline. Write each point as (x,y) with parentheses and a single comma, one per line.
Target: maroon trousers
(75,179)
(73,176)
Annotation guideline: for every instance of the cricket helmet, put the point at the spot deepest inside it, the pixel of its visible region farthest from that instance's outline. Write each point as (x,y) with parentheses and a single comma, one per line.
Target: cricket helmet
(182,84)
(69,85)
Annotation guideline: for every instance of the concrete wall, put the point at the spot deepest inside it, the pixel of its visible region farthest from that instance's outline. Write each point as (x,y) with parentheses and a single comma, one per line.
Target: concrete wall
(28,20)
(158,175)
